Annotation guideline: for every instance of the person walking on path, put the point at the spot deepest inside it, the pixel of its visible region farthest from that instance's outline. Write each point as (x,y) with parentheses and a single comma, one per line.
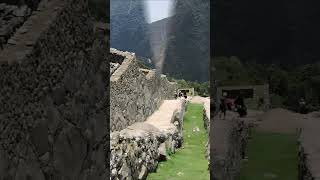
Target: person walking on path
(223,107)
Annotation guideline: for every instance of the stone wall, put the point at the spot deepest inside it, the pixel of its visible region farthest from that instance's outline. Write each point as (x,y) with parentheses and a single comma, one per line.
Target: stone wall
(136,150)
(309,148)
(228,142)
(206,121)
(53,118)
(11,18)
(135,95)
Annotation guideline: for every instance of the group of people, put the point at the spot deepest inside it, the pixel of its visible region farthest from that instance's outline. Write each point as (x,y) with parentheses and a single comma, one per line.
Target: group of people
(239,104)
(180,94)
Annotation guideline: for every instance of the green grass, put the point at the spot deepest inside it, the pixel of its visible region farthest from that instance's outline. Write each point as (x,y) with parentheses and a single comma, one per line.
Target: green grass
(271,156)
(188,163)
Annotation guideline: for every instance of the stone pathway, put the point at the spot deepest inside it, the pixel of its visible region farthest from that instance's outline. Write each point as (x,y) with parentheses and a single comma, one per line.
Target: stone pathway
(164,117)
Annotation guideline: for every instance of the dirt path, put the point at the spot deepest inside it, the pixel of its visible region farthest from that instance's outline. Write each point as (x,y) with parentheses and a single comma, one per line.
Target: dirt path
(280,121)
(199,99)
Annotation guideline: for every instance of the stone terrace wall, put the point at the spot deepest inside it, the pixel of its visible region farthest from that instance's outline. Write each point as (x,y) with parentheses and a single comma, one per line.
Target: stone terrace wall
(228,141)
(309,149)
(53,101)
(136,150)
(206,121)
(133,95)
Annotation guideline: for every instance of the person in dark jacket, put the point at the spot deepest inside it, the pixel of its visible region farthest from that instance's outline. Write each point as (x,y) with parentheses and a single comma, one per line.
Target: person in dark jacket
(241,107)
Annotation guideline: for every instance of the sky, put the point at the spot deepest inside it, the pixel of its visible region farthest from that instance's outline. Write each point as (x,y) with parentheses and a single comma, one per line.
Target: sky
(158,9)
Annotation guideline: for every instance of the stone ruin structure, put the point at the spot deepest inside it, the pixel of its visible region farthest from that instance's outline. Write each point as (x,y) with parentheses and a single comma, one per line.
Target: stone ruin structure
(252,94)
(206,121)
(135,93)
(309,148)
(146,120)
(228,139)
(53,122)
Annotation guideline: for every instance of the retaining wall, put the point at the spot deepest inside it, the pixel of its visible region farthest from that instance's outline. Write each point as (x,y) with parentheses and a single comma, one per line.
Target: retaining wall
(309,148)
(228,141)
(135,95)
(136,150)
(54,97)
(206,120)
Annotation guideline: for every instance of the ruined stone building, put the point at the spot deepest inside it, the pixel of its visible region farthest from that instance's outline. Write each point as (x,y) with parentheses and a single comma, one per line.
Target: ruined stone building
(251,93)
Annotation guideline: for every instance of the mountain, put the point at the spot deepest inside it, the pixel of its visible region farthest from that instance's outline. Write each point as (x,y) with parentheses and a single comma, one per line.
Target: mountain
(178,45)
(128,27)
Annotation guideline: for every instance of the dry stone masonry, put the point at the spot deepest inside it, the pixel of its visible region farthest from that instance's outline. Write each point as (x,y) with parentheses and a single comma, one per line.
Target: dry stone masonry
(11,18)
(134,93)
(206,120)
(228,141)
(309,148)
(136,150)
(53,120)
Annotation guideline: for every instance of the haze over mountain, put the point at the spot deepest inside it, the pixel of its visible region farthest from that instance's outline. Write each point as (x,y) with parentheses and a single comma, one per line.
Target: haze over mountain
(178,45)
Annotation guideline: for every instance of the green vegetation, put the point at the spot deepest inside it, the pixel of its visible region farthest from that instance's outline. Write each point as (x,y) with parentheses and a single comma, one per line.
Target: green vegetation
(271,156)
(189,162)
(287,84)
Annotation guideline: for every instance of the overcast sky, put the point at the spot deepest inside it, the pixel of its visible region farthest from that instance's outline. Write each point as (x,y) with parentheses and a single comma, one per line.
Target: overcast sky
(158,9)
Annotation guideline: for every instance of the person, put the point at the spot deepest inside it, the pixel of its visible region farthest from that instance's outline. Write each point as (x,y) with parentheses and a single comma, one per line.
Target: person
(222,107)
(241,107)
(260,102)
(1,44)
(302,106)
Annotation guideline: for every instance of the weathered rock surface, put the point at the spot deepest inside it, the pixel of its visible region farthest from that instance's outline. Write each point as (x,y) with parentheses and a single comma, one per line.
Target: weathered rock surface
(53,120)
(11,18)
(136,150)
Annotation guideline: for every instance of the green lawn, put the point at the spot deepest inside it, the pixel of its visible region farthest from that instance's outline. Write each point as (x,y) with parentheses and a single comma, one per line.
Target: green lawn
(188,163)
(271,156)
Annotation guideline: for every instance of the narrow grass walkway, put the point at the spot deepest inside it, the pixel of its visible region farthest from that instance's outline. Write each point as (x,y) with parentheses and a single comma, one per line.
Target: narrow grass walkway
(189,162)
(271,156)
